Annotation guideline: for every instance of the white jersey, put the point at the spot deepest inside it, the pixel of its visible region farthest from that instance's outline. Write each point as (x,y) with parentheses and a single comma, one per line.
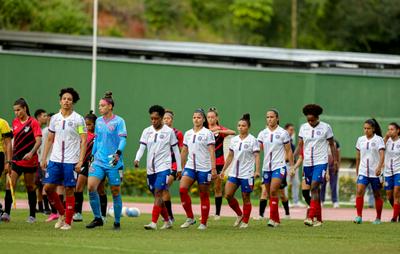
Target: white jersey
(197,143)
(67,140)
(392,157)
(315,140)
(243,156)
(45,133)
(274,147)
(369,154)
(158,143)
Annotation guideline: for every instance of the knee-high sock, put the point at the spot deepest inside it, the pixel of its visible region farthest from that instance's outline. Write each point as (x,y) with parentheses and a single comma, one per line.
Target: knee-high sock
(95,204)
(155,213)
(164,213)
(263,205)
(396,211)
(32,203)
(205,206)
(218,205)
(307,197)
(234,204)
(168,206)
(55,201)
(359,205)
(117,203)
(46,202)
(273,209)
(286,207)
(7,202)
(186,202)
(103,205)
(313,209)
(246,212)
(78,201)
(378,207)
(70,209)
(319,211)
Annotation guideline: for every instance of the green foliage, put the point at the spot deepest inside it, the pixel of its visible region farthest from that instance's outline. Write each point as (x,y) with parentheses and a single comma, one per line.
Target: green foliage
(251,15)
(135,182)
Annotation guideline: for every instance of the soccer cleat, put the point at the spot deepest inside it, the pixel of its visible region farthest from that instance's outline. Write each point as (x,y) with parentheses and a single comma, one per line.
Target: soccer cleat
(117,226)
(104,219)
(60,222)
(5,217)
(53,216)
(97,222)
(77,217)
(377,222)
(167,225)
(317,223)
(393,220)
(188,223)
(336,205)
(46,212)
(273,224)
(202,227)
(243,225)
(259,217)
(150,226)
(287,216)
(238,221)
(31,220)
(217,217)
(308,222)
(357,220)
(66,227)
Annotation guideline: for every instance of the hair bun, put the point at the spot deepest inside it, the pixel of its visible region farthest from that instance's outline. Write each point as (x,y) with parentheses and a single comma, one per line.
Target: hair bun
(246,116)
(91,112)
(108,94)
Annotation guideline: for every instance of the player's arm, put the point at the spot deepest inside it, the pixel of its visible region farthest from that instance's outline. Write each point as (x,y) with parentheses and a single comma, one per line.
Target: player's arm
(258,165)
(211,150)
(184,154)
(225,132)
(332,146)
(338,156)
(139,154)
(47,146)
(357,161)
(378,170)
(29,155)
(228,162)
(78,166)
(8,150)
(175,150)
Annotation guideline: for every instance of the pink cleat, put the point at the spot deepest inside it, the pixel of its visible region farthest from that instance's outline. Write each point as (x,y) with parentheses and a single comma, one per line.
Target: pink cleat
(53,216)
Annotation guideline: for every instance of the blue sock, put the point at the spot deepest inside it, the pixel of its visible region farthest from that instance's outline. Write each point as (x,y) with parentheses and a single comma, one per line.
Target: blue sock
(117,207)
(95,203)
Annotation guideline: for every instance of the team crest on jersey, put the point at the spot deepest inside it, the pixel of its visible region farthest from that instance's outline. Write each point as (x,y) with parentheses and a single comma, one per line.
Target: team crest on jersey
(162,136)
(70,124)
(246,146)
(27,128)
(373,144)
(277,136)
(199,138)
(319,133)
(398,146)
(111,127)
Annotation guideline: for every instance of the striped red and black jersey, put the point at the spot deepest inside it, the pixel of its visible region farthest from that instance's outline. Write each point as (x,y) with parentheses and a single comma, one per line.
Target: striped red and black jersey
(179,136)
(24,140)
(219,147)
(89,147)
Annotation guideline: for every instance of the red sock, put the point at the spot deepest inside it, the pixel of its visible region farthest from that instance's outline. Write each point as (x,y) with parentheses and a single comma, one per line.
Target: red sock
(155,213)
(273,209)
(234,204)
(205,206)
(186,202)
(319,211)
(69,212)
(396,211)
(313,209)
(378,206)
(359,205)
(164,214)
(246,212)
(56,202)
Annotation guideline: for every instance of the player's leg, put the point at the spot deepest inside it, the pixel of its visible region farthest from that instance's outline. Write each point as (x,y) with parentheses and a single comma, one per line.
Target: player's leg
(29,178)
(218,193)
(283,196)
(362,183)
(187,180)
(333,183)
(396,198)
(318,177)
(230,188)
(69,185)
(8,199)
(114,181)
(103,199)
(247,188)
(264,195)
(80,186)
(274,186)
(96,175)
(167,196)
(376,188)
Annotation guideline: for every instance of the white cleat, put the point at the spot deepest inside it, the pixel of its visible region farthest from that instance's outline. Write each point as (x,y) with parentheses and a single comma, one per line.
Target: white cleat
(243,225)
(336,205)
(216,217)
(188,223)
(308,222)
(150,226)
(317,223)
(258,217)
(167,225)
(202,227)
(66,227)
(287,217)
(60,222)
(273,224)
(238,221)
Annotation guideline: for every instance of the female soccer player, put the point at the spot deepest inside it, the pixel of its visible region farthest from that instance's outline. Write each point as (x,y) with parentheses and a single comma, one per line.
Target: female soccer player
(244,152)
(27,139)
(159,140)
(169,121)
(275,142)
(370,158)
(198,159)
(392,168)
(109,144)
(67,138)
(220,132)
(5,149)
(314,138)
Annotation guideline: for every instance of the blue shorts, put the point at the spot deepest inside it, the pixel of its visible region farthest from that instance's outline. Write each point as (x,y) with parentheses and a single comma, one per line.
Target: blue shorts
(158,181)
(315,173)
(113,174)
(199,176)
(279,173)
(60,174)
(374,181)
(245,184)
(392,181)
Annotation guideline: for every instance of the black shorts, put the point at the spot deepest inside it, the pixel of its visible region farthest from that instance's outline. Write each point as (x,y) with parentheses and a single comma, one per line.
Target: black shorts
(39,177)
(1,163)
(174,173)
(19,170)
(283,184)
(85,170)
(219,168)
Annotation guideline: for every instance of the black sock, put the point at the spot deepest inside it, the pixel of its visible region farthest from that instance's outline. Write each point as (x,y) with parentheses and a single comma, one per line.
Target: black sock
(46,203)
(391,201)
(7,202)
(103,205)
(61,196)
(286,207)
(306,196)
(40,205)
(78,201)
(168,205)
(53,209)
(218,204)
(263,205)
(32,203)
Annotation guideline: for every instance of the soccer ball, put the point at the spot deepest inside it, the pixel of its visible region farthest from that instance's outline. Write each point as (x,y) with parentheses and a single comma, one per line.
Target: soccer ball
(126,212)
(110,211)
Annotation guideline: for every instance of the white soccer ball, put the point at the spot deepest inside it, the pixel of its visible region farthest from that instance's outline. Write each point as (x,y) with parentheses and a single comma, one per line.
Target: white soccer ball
(132,212)
(111,211)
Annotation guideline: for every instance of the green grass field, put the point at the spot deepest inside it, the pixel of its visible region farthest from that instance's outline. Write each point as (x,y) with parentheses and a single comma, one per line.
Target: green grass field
(291,237)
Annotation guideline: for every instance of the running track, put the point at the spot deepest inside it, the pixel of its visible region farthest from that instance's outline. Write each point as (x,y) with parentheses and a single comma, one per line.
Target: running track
(338,214)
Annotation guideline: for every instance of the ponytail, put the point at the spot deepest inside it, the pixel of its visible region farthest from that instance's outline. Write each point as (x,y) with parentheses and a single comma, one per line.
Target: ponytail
(375,125)
(22,102)
(246,118)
